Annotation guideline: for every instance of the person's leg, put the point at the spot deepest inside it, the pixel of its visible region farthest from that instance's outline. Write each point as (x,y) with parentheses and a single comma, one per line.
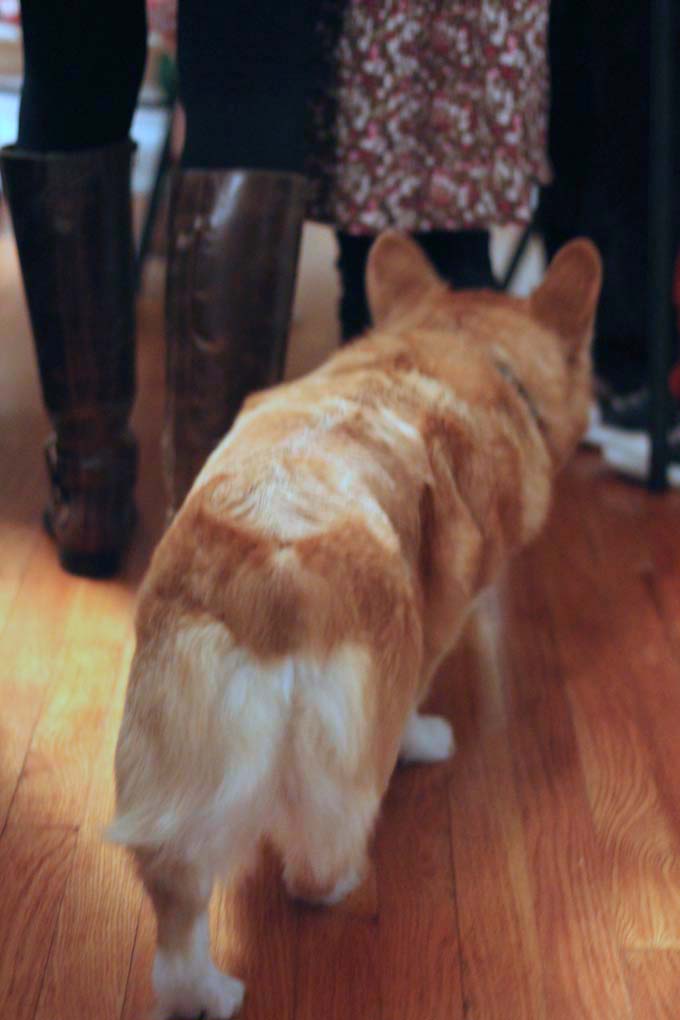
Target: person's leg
(67,182)
(462,258)
(237,210)
(83,66)
(598,106)
(245,72)
(353,250)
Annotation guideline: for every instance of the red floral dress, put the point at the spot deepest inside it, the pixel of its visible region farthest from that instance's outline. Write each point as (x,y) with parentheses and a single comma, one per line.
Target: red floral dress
(433,115)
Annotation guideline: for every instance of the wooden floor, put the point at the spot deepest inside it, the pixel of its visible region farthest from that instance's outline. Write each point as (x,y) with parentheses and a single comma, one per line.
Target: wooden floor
(535,877)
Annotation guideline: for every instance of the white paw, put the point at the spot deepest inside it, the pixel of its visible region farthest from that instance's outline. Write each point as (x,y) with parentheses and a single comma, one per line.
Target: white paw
(343,887)
(427,738)
(315,898)
(210,995)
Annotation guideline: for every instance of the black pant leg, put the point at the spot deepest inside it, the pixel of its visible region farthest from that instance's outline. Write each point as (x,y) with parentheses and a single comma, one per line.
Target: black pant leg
(351,264)
(245,70)
(461,257)
(83,67)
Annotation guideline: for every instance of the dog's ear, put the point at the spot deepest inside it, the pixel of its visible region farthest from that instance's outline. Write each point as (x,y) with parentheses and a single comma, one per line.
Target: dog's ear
(566,300)
(398,274)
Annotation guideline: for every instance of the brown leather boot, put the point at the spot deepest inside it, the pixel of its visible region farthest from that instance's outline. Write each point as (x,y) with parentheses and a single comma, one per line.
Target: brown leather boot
(234,242)
(72,221)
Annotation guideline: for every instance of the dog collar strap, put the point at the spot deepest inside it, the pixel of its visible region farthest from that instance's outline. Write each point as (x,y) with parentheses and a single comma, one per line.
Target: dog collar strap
(504,369)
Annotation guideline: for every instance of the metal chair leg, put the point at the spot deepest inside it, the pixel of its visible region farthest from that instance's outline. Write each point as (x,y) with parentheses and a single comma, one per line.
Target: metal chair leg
(661,233)
(151,213)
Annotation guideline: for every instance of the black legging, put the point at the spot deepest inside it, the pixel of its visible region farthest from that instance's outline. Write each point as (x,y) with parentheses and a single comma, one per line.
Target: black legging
(244,71)
(461,258)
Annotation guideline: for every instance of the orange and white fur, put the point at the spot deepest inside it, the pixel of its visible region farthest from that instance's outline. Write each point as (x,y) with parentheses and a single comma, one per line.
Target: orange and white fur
(320,569)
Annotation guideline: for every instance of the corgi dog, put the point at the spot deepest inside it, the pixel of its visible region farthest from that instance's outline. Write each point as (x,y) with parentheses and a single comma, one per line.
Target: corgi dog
(319,571)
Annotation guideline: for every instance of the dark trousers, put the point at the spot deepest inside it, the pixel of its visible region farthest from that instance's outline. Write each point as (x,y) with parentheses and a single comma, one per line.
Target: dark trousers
(599,139)
(244,71)
(461,258)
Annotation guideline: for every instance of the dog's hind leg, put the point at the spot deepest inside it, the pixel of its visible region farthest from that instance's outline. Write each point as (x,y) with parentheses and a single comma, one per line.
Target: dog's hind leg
(339,757)
(196,768)
(186,981)
(323,840)
(330,784)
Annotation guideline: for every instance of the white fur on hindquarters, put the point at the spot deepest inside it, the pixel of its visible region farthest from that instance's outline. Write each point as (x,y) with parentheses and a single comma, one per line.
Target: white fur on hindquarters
(427,738)
(190,985)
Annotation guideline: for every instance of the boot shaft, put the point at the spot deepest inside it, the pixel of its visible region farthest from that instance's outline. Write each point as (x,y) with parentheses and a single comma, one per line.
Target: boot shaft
(72,220)
(234,245)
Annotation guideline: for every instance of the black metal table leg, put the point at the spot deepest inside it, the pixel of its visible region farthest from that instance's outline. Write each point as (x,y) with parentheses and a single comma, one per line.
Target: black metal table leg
(661,233)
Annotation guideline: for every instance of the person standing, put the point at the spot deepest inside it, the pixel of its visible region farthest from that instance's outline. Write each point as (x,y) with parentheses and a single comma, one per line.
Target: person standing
(237,208)
(434,121)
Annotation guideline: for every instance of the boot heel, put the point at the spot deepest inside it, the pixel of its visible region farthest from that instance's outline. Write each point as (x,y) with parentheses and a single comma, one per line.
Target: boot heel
(72,218)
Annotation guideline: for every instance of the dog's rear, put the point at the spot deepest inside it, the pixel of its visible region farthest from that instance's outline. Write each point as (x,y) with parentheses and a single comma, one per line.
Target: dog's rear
(255,716)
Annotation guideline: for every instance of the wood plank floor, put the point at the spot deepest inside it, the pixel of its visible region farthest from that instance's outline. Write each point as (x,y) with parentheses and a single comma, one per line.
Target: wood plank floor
(534,877)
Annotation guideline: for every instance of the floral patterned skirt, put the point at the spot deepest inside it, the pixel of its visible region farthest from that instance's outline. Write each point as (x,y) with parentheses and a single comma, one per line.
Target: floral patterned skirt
(426,114)
(432,114)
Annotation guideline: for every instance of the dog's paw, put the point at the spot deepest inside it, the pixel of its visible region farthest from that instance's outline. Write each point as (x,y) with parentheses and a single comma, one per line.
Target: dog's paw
(210,995)
(346,884)
(323,894)
(427,738)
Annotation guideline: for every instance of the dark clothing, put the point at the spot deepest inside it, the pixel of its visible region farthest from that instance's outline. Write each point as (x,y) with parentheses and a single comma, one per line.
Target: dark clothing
(83,66)
(599,139)
(460,257)
(244,72)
